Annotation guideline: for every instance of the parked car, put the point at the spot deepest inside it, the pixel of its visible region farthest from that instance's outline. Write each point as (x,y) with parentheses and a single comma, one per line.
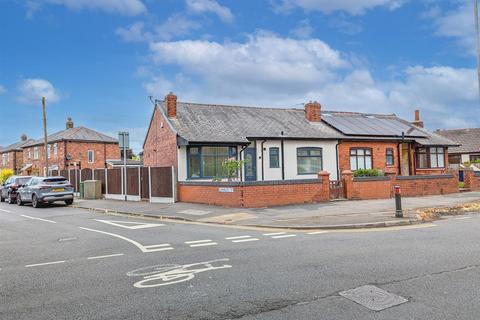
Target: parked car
(8,191)
(45,190)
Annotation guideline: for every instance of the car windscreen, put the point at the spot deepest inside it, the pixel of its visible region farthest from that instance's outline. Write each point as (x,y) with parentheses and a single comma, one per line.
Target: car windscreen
(22,180)
(55,181)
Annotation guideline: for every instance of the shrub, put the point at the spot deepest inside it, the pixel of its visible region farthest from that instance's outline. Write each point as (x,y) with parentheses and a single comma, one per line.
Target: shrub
(461,185)
(5,174)
(231,167)
(367,173)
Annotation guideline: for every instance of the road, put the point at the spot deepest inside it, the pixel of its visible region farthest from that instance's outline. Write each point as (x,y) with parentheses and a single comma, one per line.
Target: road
(66,263)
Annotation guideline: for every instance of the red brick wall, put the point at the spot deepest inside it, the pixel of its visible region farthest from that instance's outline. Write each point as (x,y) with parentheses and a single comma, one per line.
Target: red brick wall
(15,161)
(379,151)
(472,180)
(362,189)
(160,149)
(255,195)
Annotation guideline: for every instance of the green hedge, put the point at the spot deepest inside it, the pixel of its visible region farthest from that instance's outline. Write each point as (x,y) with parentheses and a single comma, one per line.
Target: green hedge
(367,173)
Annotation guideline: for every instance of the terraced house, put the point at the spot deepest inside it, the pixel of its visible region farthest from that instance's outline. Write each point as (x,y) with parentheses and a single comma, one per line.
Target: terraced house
(11,157)
(72,148)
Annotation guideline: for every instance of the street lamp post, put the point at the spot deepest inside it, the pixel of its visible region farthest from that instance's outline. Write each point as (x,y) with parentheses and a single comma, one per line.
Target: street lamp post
(44,108)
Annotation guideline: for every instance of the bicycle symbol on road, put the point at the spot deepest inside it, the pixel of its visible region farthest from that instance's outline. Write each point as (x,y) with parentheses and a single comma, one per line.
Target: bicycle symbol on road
(167,274)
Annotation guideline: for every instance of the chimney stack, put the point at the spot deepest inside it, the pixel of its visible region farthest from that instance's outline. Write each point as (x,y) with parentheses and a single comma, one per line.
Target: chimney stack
(69,124)
(313,111)
(418,122)
(23,137)
(171,105)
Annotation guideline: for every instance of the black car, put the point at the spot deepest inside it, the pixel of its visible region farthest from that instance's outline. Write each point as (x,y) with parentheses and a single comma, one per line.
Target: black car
(8,191)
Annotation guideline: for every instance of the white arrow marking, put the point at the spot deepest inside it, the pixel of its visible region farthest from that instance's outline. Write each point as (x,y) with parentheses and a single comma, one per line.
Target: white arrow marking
(132,226)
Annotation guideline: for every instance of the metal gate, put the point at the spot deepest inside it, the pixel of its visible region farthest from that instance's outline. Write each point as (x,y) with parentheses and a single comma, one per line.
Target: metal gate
(337,191)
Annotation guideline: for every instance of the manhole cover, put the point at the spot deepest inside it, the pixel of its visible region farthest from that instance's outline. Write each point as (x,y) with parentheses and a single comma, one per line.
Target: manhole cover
(373,298)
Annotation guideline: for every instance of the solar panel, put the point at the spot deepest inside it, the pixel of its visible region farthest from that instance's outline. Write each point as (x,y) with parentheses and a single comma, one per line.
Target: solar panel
(371,125)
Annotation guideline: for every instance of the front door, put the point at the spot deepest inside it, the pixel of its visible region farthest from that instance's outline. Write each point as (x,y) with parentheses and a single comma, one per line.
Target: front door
(250,164)
(405,159)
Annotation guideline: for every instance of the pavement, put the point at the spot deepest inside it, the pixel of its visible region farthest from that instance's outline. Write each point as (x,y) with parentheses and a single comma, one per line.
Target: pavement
(67,263)
(330,215)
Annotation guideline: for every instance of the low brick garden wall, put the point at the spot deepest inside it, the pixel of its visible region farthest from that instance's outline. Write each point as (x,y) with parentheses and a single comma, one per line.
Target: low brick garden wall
(256,194)
(472,180)
(363,188)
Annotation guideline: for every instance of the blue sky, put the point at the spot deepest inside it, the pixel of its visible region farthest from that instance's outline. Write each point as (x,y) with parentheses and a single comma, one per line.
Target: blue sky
(97,61)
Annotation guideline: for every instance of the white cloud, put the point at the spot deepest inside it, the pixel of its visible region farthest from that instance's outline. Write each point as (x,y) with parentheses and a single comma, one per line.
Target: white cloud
(177,25)
(302,30)
(3,90)
(269,70)
(124,7)
(458,24)
(354,7)
(211,6)
(31,91)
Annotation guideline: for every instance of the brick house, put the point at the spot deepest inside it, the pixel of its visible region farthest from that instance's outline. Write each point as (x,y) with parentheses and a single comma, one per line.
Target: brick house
(11,157)
(287,144)
(72,148)
(469,144)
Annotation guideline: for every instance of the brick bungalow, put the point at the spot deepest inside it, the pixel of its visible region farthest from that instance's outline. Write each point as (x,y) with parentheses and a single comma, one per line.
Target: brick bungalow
(72,148)
(469,144)
(11,157)
(287,144)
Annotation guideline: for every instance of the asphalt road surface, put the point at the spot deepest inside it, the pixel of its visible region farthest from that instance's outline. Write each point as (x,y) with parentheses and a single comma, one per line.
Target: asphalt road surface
(65,263)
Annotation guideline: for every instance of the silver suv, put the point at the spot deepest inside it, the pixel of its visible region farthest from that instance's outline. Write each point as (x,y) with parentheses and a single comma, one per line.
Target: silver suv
(40,190)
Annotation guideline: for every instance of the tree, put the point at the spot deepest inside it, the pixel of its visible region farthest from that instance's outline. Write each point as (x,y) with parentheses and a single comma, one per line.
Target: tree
(231,167)
(5,174)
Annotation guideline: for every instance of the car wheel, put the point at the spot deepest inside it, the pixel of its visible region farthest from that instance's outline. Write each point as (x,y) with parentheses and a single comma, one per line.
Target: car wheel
(10,199)
(35,202)
(69,202)
(19,200)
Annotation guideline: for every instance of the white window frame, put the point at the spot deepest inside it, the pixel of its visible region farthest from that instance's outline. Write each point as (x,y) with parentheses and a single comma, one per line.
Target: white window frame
(90,152)
(35,153)
(55,149)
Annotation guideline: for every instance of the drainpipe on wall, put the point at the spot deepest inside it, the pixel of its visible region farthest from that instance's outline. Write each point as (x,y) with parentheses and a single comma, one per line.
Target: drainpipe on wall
(283,158)
(399,156)
(338,161)
(240,156)
(261,147)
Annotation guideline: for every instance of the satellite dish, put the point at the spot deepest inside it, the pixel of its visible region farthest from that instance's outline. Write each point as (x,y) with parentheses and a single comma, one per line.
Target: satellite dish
(68,157)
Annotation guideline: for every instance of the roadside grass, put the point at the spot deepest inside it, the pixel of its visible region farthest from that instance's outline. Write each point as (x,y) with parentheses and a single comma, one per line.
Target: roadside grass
(432,214)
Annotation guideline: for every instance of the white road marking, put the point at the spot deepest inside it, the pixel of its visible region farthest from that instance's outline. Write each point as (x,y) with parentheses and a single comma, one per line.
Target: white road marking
(462,218)
(197,241)
(5,211)
(317,232)
(144,249)
(238,237)
(43,264)
(106,256)
(273,234)
(130,224)
(44,220)
(245,240)
(284,236)
(203,244)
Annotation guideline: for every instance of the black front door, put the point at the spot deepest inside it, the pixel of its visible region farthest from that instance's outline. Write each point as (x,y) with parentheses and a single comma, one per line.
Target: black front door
(250,164)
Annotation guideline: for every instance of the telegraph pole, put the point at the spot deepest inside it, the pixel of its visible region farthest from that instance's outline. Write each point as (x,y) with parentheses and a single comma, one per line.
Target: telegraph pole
(475,9)
(44,107)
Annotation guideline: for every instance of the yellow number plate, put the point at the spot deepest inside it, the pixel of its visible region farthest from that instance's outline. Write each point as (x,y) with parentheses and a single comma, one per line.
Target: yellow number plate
(58,190)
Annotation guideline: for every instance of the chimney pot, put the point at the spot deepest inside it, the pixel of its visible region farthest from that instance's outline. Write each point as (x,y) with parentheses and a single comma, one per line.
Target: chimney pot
(171,105)
(69,123)
(418,122)
(313,111)
(23,137)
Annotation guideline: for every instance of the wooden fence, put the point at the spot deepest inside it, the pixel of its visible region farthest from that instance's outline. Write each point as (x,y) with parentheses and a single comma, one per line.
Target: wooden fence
(154,184)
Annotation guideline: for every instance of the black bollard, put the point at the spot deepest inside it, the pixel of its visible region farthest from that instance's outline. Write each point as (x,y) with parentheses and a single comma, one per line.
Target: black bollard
(398,202)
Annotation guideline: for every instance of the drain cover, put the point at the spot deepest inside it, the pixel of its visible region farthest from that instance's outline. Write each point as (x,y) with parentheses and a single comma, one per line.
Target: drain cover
(373,298)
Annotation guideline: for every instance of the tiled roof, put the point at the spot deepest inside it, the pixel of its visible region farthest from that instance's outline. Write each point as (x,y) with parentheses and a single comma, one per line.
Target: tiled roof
(75,134)
(15,146)
(469,139)
(219,123)
(236,124)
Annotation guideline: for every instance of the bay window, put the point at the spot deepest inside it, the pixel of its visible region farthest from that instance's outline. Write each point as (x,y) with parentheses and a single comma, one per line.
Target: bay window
(430,158)
(207,161)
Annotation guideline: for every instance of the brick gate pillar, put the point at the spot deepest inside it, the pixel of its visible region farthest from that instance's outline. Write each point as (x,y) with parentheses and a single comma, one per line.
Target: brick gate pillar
(325,176)
(347,177)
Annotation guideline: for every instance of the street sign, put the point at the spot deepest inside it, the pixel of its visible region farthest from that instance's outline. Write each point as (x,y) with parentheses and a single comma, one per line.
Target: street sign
(124,140)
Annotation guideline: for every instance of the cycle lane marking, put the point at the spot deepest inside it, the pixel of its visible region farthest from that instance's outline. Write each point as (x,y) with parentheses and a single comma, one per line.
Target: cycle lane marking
(106,256)
(35,218)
